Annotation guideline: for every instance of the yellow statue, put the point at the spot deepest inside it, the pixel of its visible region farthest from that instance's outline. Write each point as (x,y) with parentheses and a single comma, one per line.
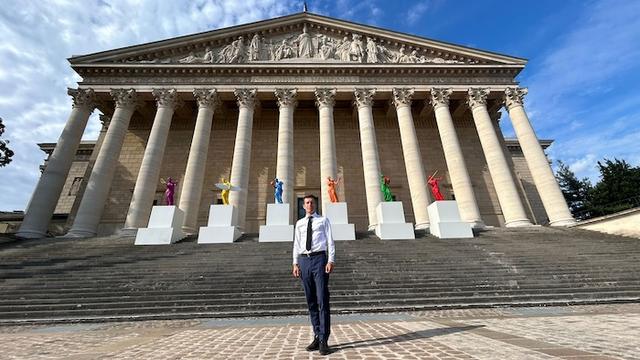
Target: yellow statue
(225,186)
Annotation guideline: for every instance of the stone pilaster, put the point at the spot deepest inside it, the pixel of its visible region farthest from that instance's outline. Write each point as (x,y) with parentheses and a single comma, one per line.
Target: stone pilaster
(548,188)
(412,157)
(512,208)
(286,99)
(47,192)
(325,101)
(370,159)
(144,191)
(458,173)
(191,192)
(242,153)
(99,185)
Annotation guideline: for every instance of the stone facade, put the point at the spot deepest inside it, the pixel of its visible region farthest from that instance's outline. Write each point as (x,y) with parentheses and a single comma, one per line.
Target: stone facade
(236,88)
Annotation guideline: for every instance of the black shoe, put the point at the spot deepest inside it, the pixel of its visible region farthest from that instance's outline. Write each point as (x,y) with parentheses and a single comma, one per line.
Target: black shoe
(315,345)
(324,348)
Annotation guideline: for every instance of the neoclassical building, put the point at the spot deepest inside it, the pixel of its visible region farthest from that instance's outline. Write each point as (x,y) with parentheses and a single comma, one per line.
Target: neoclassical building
(301,98)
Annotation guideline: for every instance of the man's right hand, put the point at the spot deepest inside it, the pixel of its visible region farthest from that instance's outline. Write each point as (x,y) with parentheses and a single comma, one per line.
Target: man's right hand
(296,270)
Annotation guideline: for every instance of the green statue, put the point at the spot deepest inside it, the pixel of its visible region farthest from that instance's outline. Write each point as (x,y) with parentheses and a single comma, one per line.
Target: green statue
(386,191)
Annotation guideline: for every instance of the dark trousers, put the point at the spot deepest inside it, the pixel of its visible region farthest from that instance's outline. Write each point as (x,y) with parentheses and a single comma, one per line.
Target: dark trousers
(316,289)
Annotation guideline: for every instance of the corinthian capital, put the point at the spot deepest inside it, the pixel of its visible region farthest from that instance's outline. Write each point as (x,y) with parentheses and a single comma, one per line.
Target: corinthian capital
(402,96)
(440,97)
(477,97)
(514,96)
(286,97)
(207,98)
(246,97)
(125,97)
(325,97)
(167,98)
(82,98)
(364,97)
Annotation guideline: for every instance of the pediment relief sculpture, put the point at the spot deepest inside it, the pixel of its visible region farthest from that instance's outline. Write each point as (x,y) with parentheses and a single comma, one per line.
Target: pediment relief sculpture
(309,46)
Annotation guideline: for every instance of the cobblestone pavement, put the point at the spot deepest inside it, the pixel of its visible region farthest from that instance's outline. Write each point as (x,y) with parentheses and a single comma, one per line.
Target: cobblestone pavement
(573,332)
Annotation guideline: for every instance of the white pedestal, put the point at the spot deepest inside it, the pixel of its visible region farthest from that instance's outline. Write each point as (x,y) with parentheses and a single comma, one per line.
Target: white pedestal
(219,229)
(277,227)
(391,225)
(338,217)
(165,227)
(445,220)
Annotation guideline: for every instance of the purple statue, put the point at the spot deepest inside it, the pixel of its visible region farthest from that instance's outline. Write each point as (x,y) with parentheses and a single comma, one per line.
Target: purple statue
(171,189)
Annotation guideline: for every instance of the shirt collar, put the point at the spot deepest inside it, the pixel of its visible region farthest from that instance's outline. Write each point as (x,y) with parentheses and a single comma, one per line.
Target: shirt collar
(315,214)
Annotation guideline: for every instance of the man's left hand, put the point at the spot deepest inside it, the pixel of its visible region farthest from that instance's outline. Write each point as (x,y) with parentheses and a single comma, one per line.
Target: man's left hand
(329,268)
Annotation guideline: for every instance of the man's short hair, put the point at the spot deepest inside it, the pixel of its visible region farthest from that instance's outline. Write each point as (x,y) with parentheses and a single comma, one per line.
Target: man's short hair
(311,196)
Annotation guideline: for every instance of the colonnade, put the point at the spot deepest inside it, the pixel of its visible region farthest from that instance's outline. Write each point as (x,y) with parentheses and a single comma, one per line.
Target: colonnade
(86,222)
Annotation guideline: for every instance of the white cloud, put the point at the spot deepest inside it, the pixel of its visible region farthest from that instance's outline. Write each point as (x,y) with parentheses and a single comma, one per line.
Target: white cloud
(415,12)
(38,37)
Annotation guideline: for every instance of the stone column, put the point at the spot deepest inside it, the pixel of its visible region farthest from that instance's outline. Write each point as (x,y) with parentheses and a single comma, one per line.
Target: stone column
(370,159)
(46,194)
(242,153)
(412,157)
(512,209)
(325,100)
(460,179)
(197,161)
(147,180)
(99,185)
(284,160)
(548,188)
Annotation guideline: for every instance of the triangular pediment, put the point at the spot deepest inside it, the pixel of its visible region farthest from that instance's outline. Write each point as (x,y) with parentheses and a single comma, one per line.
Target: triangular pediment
(298,38)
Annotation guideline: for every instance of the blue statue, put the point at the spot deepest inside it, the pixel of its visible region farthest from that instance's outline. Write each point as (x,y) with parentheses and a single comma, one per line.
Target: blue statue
(277,186)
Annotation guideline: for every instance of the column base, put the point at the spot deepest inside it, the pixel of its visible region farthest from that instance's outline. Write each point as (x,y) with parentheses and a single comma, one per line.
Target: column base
(128,231)
(30,234)
(422,226)
(78,234)
(563,222)
(189,231)
(477,224)
(518,223)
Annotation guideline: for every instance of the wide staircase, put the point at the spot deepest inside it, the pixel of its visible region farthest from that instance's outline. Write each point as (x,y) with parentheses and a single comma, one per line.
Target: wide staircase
(59,280)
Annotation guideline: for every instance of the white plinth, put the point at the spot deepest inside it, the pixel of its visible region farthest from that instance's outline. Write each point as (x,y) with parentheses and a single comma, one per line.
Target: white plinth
(338,217)
(391,224)
(277,227)
(219,229)
(165,227)
(445,220)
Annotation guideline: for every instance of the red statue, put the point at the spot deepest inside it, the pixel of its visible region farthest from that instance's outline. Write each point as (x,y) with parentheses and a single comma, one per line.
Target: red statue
(433,184)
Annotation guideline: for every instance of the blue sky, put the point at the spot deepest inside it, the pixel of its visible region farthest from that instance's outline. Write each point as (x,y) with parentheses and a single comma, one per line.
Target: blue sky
(582,73)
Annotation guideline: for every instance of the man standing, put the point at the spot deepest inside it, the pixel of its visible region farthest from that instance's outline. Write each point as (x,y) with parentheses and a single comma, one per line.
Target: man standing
(313,259)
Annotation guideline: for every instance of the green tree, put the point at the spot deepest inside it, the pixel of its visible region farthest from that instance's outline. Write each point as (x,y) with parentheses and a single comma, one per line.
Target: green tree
(576,192)
(618,188)
(5,152)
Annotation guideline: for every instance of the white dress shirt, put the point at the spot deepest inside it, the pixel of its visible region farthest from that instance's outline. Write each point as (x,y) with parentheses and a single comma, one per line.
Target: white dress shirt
(321,239)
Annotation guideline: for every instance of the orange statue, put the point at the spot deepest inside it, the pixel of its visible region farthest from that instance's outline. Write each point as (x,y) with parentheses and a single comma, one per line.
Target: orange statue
(331,189)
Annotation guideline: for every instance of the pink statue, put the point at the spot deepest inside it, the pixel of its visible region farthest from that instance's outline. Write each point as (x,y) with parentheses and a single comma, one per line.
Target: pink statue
(331,189)
(433,184)
(171,187)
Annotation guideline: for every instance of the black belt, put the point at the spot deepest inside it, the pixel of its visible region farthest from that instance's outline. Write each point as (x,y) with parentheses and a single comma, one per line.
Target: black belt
(315,253)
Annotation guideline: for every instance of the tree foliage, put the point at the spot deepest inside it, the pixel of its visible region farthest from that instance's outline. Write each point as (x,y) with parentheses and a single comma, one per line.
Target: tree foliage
(5,152)
(576,192)
(617,189)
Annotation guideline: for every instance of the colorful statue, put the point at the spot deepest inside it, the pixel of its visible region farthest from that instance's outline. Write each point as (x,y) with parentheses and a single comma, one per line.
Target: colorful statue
(171,190)
(433,184)
(384,186)
(277,186)
(226,186)
(331,189)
